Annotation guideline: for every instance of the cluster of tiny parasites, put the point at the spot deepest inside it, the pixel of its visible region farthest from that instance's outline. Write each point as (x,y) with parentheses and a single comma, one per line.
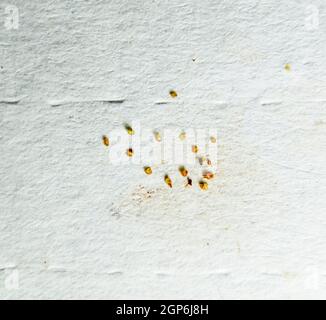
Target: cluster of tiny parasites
(207,175)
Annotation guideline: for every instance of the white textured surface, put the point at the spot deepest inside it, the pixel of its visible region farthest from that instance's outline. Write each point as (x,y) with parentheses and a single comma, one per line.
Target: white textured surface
(76,227)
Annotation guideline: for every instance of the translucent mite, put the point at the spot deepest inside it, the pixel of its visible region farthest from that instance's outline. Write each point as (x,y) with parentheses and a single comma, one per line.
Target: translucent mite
(157,136)
(287,67)
(182,135)
(208,175)
(201,160)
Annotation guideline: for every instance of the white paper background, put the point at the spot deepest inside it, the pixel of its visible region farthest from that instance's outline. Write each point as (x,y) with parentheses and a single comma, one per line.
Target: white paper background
(74,226)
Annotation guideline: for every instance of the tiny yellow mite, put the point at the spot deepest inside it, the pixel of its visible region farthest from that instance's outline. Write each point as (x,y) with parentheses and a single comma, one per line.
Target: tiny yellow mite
(148,170)
(130,152)
(130,130)
(105,140)
(183,171)
(194,149)
(203,185)
(182,135)
(287,67)
(213,139)
(173,93)
(168,181)
(157,136)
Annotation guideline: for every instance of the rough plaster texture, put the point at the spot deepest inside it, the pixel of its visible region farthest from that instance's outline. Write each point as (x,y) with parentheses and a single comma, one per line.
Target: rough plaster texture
(75,227)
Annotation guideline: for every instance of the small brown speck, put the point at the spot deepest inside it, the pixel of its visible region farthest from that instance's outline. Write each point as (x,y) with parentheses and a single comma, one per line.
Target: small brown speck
(105,140)
(183,171)
(209,162)
(189,182)
(130,152)
(212,139)
(173,93)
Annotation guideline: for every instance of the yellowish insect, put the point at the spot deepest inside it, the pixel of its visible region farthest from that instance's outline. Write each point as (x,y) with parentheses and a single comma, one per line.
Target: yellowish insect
(173,93)
(182,135)
(105,140)
(183,171)
(213,139)
(129,129)
(148,170)
(157,136)
(168,180)
(130,152)
(194,149)
(287,67)
(208,175)
(203,185)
